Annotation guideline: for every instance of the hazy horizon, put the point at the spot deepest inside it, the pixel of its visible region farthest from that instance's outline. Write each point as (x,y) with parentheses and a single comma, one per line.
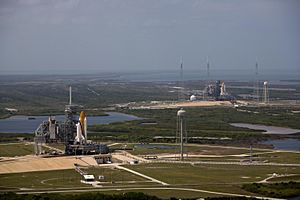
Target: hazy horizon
(163,75)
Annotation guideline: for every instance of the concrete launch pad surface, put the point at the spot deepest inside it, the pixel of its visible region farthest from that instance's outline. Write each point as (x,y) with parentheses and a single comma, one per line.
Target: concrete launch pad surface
(36,163)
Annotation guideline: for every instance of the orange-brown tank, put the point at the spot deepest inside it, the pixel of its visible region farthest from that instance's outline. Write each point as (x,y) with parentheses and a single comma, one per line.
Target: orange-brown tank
(81,119)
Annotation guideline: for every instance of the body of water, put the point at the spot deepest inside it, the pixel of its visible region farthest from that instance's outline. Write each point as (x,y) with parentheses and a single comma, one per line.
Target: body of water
(266,129)
(286,144)
(22,124)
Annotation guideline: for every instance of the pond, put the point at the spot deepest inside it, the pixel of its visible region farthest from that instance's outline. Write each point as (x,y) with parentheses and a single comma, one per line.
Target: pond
(266,129)
(285,144)
(28,124)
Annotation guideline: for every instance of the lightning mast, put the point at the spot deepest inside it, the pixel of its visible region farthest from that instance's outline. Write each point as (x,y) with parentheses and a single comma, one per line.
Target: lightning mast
(70,95)
(256,83)
(180,89)
(206,87)
(208,68)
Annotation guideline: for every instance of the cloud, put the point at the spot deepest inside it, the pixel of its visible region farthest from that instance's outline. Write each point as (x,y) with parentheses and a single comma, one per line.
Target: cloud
(89,32)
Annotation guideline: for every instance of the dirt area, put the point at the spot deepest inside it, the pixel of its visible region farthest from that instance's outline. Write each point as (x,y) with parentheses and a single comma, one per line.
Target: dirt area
(36,163)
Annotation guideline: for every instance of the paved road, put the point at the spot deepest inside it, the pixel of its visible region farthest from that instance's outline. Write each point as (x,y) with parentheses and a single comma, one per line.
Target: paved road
(113,144)
(142,175)
(56,149)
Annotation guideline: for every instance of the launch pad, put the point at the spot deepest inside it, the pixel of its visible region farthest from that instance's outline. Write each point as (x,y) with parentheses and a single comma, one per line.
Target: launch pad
(72,133)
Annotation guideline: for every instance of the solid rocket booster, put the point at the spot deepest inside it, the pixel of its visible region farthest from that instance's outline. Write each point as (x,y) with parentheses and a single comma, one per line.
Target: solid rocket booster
(85,129)
(223,89)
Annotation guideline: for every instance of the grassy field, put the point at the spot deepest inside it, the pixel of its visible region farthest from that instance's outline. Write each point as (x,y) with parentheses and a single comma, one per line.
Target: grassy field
(222,178)
(190,148)
(16,149)
(14,137)
(68,178)
(222,153)
(116,176)
(43,179)
(217,178)
(198,174)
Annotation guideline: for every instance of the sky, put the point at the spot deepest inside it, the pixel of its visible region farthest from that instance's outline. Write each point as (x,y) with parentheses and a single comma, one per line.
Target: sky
(135,35)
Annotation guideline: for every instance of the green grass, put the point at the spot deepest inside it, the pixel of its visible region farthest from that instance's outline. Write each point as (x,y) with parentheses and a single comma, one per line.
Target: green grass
(218,178)
(14,137)
(115,175)
(190,148)
(43,179)
(225,152)
(16,149)
(211,177)
(68,178)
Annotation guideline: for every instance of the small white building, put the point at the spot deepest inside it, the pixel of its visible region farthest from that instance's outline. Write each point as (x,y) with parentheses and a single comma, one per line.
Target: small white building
(89,178)
(11,109)
(134,162)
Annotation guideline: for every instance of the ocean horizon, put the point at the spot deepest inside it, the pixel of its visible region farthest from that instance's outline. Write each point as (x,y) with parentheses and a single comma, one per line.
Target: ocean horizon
(170,75)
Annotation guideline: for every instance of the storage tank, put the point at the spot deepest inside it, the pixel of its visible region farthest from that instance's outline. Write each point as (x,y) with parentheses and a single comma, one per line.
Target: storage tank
(193,98)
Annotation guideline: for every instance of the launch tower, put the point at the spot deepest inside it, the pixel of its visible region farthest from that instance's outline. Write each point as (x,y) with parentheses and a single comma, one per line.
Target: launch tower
(72,133)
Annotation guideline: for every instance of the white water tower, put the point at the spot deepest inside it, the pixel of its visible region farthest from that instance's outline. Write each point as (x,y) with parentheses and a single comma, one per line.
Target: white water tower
(266,92)
(181,129)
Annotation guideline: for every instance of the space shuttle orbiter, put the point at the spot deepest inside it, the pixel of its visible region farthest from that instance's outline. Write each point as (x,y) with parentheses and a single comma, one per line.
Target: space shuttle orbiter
(81,133)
